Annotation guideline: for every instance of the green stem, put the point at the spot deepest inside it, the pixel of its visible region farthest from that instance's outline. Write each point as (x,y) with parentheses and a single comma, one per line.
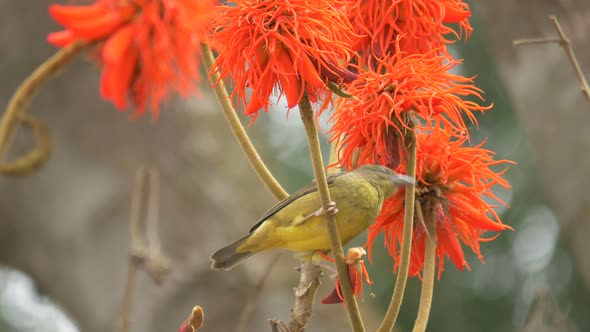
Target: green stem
(335,241)
(238,130)
(427,277)
(404,265)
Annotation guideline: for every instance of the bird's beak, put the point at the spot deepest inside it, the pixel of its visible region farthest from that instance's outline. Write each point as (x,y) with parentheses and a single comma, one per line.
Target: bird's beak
(401,179)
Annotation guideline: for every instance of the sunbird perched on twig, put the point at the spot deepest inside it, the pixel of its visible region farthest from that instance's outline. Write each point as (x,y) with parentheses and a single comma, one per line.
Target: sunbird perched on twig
(297,223)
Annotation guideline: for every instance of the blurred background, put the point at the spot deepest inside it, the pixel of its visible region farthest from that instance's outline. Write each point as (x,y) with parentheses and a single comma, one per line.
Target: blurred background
(64,230)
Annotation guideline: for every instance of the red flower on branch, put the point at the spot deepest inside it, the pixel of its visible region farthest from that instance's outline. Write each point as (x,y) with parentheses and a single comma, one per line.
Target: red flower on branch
(147,48)
(421,22)
(293,45)
(355,265)
(454,187)
(418,84)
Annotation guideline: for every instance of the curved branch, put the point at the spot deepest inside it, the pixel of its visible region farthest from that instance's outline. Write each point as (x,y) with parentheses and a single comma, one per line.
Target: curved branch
(23,95)
(238,130)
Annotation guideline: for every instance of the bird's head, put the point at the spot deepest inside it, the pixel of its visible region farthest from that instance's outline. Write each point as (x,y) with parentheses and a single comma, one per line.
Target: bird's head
(384,178)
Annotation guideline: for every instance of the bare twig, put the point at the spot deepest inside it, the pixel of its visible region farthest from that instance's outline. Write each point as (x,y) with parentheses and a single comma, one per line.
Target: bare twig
(144,248)
(327,205)
(542,40)
(277,325)
(251,303)
(156,264)
(565,43)
(127,303)
(138,244)
(153,210)
(309,282)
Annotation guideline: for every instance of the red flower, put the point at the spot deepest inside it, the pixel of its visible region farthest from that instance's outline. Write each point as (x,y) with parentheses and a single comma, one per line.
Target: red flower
(453,183)
(422,22)
(295,45)
(418,84)
(146,47)
(355,265)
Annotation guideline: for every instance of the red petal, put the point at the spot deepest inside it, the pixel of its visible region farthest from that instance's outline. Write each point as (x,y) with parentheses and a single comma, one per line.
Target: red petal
(356,279)
(117,79)
(455,15)
(417,254)
(61,38)
(476,217)
(255,104)
(309,73)
(287,77)
(450,244)
(115,47)
(97,28)
(333,297)
(66,15)
(261,56)
(290,86)
(102,26)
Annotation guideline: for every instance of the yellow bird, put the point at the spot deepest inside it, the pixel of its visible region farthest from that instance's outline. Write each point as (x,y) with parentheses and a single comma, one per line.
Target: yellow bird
(297,222)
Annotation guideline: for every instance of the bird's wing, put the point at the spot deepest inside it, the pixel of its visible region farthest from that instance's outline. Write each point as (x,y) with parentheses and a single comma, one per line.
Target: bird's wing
(296,195)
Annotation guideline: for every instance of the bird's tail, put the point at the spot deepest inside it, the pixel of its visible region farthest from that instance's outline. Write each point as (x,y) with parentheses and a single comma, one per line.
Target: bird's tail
(228,257)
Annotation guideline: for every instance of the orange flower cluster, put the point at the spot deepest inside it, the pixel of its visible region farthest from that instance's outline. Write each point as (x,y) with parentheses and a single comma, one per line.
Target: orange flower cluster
(147,48)
(421,22)
(403,66)
(404,79)
(418,83)
(295,46)
(452,182)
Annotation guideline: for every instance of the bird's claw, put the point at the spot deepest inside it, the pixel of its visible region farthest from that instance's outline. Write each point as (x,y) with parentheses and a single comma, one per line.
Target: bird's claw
(330,211)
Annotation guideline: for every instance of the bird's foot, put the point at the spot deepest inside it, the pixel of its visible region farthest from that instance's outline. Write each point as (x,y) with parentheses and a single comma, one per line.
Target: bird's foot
(330,211)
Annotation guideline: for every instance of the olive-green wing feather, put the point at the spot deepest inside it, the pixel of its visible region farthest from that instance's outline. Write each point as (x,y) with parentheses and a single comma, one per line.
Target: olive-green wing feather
(296,195)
